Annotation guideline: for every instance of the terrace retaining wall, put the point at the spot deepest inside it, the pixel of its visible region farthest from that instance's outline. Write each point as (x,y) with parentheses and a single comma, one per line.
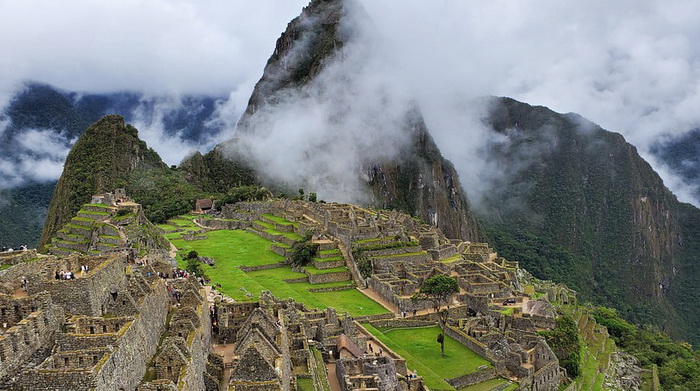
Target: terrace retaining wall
(472,378)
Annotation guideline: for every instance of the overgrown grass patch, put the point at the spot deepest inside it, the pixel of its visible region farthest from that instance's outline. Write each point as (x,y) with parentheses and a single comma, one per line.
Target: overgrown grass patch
(352,301)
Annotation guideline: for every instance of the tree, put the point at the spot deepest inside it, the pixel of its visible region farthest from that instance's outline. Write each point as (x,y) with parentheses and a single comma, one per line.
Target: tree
(303,251)
(192,255)
(438,289)
(312,197)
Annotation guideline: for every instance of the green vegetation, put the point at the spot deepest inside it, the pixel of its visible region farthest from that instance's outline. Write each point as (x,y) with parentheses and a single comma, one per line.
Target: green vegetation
(565,343)
(320,369)
(101,160)
(678,365)
(438,289)
(243,193)
(303,252)
(231,249)
(305,384)
(417,346)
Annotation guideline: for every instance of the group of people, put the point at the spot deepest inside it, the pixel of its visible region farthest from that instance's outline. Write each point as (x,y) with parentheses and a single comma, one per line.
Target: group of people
(10,249)
(371,350)
(175,294)
(64,275)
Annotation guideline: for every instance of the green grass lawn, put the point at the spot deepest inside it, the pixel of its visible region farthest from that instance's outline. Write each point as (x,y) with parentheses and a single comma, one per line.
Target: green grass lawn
(331,251)
(419,346)
(304,384)
(452,259)
(315,270)
(240,246)
(231,249)
(280,220)
(352,301)
(328,259)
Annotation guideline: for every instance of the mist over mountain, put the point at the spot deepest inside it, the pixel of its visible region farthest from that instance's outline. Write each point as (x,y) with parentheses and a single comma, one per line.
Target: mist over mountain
(681,155)
(41,123)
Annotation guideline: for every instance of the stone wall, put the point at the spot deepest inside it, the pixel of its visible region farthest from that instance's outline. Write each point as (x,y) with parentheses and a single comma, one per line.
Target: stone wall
(224,223)
(329,264)
(22,340)
(393,251)
(123,367)
(401,323)
(547,378)
(261,267)
(383,264)
(323,278)
(468,341)
(198,346)
(15,257)
(279,249)
(126,366)
(84,296)
(472,378)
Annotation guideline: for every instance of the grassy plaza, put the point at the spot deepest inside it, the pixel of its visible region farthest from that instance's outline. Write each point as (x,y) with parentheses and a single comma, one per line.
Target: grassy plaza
(233,248)
(419,346)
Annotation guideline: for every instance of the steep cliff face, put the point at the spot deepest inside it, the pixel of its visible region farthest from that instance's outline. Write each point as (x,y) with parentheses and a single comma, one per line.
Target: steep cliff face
(105,154)
(415,178)
(574,185)
(421,182)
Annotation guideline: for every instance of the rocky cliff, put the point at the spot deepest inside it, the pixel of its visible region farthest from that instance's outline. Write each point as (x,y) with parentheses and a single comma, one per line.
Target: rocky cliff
(415,179)
(579,205)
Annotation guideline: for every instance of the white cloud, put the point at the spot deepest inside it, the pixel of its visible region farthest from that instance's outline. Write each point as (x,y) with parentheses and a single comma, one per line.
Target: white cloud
(38,156)
(630,66)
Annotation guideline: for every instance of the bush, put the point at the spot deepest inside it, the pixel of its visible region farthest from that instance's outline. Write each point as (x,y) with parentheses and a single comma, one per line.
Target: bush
(566,344)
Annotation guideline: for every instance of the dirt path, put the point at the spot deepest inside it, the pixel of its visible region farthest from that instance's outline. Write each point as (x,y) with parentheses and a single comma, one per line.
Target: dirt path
(332,377)
(225,350)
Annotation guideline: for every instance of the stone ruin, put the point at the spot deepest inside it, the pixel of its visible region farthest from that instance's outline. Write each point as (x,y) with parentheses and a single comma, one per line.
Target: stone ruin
(491,314)
(98,331)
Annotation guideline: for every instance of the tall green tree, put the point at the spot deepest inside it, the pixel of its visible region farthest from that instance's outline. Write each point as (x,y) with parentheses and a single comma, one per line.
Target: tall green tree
(438,289)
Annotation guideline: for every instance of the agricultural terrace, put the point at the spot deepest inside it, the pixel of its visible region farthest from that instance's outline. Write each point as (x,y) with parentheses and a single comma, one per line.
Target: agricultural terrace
(419,346)
(233,248)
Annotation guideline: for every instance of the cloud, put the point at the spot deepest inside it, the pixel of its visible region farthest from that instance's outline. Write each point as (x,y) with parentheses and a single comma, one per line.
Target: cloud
(322,136)
(632,67)
(149,117)
(157,47)
(38,156)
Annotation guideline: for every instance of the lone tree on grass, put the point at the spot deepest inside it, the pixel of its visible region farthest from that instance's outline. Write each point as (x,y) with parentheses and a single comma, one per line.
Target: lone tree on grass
(438,289)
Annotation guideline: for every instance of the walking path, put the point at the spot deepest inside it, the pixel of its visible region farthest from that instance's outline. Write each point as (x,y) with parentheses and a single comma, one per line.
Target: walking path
(332,377)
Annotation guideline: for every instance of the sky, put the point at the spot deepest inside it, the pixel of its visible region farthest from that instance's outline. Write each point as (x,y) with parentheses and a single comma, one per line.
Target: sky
(631,66)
